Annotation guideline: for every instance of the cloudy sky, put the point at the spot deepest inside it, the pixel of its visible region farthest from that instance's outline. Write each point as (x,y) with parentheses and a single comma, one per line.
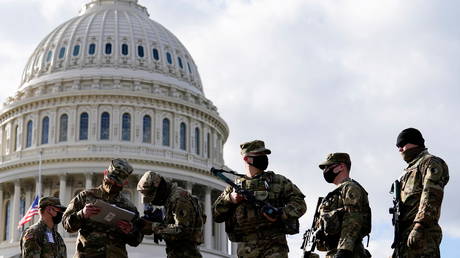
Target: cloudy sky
(308,77)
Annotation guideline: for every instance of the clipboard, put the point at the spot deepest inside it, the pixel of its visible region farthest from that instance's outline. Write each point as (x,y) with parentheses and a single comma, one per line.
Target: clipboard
(111,214)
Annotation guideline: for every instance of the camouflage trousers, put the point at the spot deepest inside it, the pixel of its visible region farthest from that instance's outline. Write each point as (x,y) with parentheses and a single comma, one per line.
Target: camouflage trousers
(271,248)
(427,248)
(358,252)
(181,249)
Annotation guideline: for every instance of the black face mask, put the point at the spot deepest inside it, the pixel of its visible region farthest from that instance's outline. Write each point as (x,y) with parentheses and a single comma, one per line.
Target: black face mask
(58,218)
(329,175)
(161,194)
(111,188)
(411,154)
(260,162)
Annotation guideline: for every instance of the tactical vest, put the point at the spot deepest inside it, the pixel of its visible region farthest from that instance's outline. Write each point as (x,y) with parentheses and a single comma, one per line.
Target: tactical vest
(412,187)
(247,223)
(332,210)
(198,235)
(193,233)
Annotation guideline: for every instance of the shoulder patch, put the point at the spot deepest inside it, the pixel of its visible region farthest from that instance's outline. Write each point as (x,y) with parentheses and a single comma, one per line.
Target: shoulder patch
(352,194)
(29,235)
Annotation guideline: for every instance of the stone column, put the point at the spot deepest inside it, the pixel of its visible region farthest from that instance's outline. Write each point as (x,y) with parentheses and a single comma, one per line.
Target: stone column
(37,189)
(29,201)
(208,225)
(15,212)
(137,199)
(223,238)
(2,224)
(89,180)
(62,197)
(62,188)
(234,248)
(189,187)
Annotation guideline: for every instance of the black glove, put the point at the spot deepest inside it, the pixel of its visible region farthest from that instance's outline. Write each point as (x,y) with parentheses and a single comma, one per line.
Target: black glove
(271,211)
(341,253)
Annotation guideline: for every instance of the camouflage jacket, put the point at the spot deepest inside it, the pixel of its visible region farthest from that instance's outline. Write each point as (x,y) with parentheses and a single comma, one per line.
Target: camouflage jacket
(184,217)
(97,239)
(244,221)
(38,241)
(422,190)
(345,217)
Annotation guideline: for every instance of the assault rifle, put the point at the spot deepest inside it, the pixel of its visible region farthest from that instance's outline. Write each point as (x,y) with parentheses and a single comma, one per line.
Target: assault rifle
(309,237)
(396,211)
(151,216)
(263,206)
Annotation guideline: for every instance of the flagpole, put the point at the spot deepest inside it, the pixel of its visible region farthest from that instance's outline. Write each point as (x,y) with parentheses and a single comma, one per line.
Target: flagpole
(39,190)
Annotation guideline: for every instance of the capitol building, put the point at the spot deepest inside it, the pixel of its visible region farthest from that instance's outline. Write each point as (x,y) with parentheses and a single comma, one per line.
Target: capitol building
(109,83)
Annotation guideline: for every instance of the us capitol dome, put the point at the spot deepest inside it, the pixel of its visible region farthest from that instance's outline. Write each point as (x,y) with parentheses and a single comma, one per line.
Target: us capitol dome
(109,83)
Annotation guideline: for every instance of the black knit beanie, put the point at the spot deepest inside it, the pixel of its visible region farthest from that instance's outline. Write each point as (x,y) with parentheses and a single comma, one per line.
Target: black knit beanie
(410,135)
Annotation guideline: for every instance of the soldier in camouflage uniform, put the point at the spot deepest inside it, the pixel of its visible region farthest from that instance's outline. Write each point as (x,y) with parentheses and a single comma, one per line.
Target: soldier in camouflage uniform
(259,234)
(42,239)
(182,228)
(96,239)
(345,215)
(422,190)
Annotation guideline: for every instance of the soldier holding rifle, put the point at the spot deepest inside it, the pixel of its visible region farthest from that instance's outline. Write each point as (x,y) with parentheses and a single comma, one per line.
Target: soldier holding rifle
(418,234)
(344,214)
(259,209)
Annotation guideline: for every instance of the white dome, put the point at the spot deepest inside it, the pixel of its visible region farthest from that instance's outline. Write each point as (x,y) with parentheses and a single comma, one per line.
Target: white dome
(112,37)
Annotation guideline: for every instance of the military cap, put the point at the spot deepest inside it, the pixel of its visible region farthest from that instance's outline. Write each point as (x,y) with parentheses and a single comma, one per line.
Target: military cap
(119,170)
(334,158)
(148,185)
(50,201)
(254,147)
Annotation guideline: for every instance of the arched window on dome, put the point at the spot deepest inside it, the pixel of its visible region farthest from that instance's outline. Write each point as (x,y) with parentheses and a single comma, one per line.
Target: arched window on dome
(108,48)
(62,52)
(49,56)
(29,134)
(183,136)
(179,60)
(197,141)
(126,127)
(16,138)
(155,54)
(124,49)
(147,129)
(6,224)
(84,126)
(208,145)
(140,51)
(76,50)
(45,129)
(92,49)
(165,132)
(63,123)
(169,57)
(105,126)
(189,69)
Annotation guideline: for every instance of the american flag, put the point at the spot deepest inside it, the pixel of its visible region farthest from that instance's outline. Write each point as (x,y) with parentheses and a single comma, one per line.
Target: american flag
(33,210)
